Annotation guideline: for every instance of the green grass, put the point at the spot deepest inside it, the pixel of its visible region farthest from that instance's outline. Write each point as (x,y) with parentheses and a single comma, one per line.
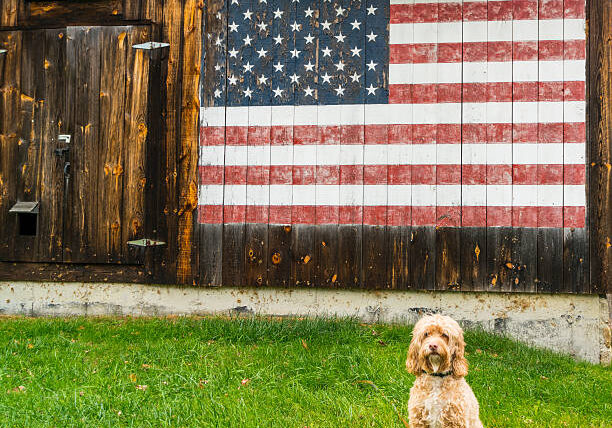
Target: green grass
(87,372)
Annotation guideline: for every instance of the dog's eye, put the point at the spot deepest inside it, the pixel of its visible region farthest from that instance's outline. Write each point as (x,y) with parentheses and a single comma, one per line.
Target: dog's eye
(444,335)
(425,334)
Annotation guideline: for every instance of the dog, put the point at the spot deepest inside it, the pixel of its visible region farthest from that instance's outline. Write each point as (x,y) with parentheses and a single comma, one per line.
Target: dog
(440,396)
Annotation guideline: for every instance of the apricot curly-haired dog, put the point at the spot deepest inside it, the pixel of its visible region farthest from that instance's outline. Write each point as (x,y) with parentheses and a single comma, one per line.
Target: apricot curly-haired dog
(440,396)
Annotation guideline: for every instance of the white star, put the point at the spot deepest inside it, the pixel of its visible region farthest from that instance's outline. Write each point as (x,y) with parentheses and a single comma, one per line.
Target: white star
(326,51)
(371,37)
(278,40)
(234,1)
(372,10)
(355,77)
(247,14)
(326,25)
(326,78)
(309,12)
(308,38)
(233,53)
(262,79)
(233,27)
(371,90)
(340,37)
(218,67)
(219,41)
(277,92)
(262,26)
(308,91)
(372,65)
(278,67)
(339,11)
(232,80)
(295,53)
(262,52)
(217,93)
(219,15)
(248,92)
(263,1)
(340,66)
(339,90)
(278,13)
(309,66)
(294,78)
(247,40)
(355,51)
(295,26)
(247,67)
(355,25)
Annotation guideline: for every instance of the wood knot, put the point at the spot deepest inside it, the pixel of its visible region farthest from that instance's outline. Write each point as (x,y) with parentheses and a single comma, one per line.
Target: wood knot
(276,258)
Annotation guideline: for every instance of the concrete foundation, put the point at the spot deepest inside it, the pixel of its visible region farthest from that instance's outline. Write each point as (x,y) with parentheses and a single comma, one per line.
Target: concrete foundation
(578,325)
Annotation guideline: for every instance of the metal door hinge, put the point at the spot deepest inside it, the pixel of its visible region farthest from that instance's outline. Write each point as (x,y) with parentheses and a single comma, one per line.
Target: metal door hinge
(146,243)
(151,45)
(25,208)
(2,51)
(64,138)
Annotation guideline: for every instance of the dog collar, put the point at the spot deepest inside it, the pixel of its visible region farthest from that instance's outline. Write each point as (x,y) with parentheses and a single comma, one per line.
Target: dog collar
(439,374)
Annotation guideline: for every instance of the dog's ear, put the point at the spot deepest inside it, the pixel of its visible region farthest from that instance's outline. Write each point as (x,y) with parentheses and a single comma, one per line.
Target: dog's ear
(413,365)
(459,363)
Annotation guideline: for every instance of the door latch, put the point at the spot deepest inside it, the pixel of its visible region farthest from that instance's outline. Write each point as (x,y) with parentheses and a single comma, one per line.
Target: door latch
(62,151)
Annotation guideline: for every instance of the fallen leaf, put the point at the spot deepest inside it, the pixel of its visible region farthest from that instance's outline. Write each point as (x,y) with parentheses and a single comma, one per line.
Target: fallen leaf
(374,333)
(146,366)
(245,381)
(381,343)
(30,346)
(132,377)
(201,383)
(304,344)
(142,387)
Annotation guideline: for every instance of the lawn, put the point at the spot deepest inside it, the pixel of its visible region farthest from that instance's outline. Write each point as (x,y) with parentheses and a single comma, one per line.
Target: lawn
(251,372)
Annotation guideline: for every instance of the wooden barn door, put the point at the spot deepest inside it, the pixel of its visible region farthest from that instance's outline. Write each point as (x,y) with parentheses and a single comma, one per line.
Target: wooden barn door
(32,109)
(106,93)
(73,128)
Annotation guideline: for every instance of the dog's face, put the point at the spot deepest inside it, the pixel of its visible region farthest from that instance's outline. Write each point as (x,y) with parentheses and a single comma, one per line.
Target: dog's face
(437,346)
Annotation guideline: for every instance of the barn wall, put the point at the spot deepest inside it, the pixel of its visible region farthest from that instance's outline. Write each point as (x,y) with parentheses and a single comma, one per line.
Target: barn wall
(291,197)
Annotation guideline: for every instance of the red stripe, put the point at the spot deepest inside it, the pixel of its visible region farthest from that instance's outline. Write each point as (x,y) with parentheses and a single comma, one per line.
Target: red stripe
(543,50)
(569,132)
(486,11)
(489,92)
(467,216)
(395,174)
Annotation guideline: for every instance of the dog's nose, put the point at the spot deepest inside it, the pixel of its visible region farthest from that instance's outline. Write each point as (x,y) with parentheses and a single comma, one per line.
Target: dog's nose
(433,347)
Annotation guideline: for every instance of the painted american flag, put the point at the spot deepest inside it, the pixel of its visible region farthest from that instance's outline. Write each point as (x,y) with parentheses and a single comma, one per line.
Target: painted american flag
(405,112)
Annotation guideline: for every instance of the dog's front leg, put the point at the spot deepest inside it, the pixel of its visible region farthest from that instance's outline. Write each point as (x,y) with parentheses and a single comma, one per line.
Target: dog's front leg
(418,417)
(454,416)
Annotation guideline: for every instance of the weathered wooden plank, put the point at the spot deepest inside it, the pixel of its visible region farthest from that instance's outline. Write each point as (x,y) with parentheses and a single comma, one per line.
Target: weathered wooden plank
(189,131)
(172,33)
(134,142)
(326,241)
(398,256)
(62,13)
(256,253)
(550,259)
(112,150)
(51,172)
(32,100)
(448,259)
(279,255)
(524,259)
(132,9)
(10,95)
(83,67)
(499,258)
(375,261)
(303,255)
(473,258)
(575,262)
(599,138)
(9,12)
(423,257)
(60,272)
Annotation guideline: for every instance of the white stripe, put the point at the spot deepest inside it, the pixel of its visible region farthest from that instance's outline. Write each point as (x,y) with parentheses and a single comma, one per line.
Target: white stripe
(496,31)
(416,195)
(397,154)
(448,113)
(480,72)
